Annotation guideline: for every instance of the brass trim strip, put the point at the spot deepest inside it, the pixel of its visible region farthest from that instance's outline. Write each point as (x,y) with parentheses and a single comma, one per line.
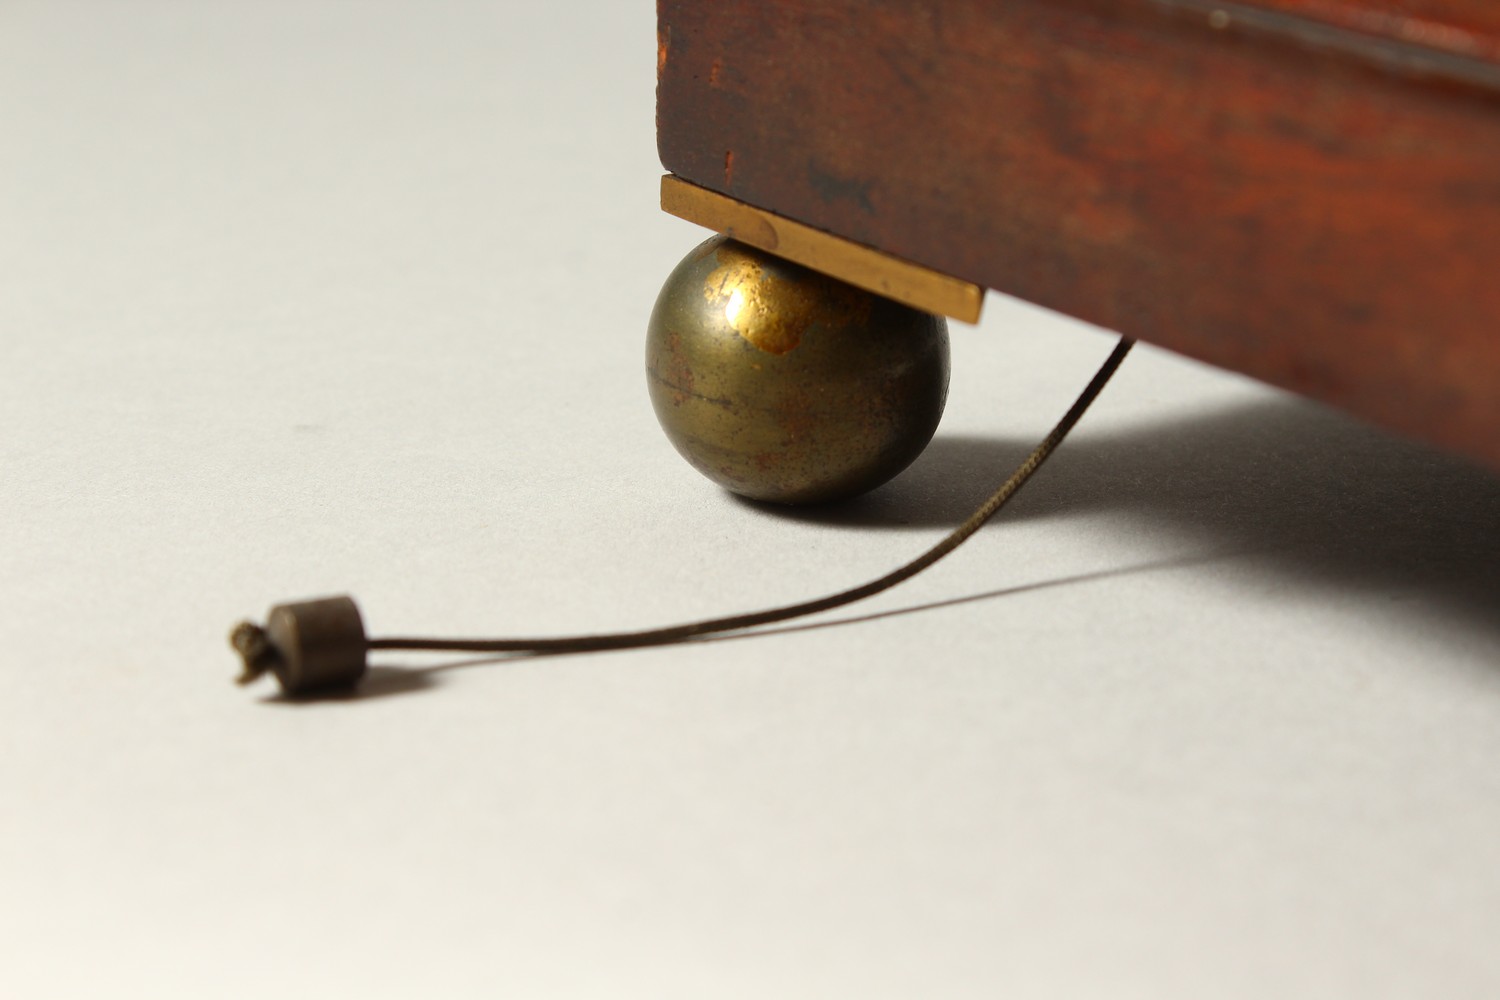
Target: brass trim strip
(870,269)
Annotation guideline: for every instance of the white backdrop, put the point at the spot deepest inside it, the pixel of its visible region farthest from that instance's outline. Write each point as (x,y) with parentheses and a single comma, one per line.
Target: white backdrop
(301,298)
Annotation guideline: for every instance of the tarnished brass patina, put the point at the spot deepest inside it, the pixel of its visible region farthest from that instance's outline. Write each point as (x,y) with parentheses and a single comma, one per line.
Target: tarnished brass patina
(782,384)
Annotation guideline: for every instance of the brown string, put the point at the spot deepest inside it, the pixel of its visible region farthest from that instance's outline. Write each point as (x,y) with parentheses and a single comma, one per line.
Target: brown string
(735,623)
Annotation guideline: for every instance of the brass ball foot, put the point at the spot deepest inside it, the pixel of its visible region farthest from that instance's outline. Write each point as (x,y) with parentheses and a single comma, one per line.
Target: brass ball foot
(782,384)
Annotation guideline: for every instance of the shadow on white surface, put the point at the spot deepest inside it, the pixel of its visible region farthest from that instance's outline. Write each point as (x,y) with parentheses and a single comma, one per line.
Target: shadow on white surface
(379,682)
(1313,493)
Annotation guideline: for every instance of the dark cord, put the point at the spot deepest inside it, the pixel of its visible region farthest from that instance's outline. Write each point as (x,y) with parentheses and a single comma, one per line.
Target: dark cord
(735,623)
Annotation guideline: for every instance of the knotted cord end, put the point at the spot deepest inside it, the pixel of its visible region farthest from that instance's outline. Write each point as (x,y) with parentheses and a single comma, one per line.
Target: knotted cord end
(257,655)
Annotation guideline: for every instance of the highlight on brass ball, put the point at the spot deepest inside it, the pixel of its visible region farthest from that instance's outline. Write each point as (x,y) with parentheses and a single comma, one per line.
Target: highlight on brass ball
(782,384)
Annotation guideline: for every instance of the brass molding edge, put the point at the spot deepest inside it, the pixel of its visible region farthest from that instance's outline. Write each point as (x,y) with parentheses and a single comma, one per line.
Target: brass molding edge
(865,267)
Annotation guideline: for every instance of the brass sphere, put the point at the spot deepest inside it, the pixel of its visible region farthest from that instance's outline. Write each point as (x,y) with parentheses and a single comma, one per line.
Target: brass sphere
(782,384)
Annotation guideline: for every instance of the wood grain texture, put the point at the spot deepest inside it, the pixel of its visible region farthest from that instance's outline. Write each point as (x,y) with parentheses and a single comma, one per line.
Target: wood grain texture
(1298,190)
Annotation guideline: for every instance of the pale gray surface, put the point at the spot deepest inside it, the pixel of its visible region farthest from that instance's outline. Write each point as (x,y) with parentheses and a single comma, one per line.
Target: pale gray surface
(307,298)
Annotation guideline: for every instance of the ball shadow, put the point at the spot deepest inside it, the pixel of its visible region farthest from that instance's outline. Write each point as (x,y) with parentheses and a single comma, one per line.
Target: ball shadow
(1318,496)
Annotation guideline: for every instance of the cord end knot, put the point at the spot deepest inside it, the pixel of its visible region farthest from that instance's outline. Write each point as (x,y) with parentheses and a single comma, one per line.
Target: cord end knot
(257,655)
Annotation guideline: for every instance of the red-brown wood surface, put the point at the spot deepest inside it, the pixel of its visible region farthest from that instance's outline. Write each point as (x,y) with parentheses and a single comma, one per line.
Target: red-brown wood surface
(1302,190)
